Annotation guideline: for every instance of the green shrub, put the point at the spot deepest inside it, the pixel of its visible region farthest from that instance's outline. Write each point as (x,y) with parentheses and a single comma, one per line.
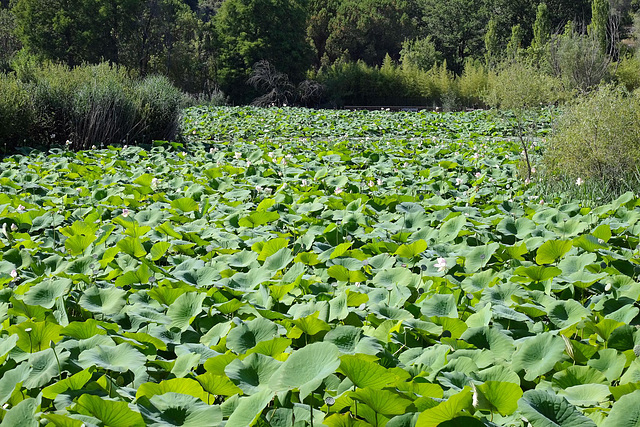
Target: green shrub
(158,105)
(578,60)
(95,105)
(597,139)
(518,84)
(627,73)
(16,112)
(472,84)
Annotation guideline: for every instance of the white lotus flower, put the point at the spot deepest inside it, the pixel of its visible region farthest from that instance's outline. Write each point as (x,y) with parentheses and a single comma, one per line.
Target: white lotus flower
(13,273)
(579,181)
(338,190)
(441,265)
(237,154)
(125,212)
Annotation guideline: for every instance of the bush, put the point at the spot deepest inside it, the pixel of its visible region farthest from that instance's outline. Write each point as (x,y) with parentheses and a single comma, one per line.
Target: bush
(16,112)
(522,85)
(597,138)
(93,105)
(472,84)
(578,60)
(627,73)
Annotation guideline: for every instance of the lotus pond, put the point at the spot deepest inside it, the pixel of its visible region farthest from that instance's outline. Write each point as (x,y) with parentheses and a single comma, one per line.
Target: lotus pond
(289,267)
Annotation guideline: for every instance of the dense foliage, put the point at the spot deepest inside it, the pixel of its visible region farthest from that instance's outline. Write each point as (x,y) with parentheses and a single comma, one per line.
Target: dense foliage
(85,106)
(207,45)
(313,268)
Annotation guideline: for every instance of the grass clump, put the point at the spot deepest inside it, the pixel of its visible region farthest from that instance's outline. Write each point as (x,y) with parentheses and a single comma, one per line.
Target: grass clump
(597,142)
(85,106)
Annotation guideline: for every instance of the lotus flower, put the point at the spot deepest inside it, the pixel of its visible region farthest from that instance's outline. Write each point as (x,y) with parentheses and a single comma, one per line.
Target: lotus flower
(441,265)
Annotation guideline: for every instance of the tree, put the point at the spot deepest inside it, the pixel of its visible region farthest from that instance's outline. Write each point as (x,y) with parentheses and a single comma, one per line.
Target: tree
(368,30)
(541,27)
(250,31)
(150,36)
(420,53)
(515,43)
(600,22)
(9,43)
(456,38)
(491,42)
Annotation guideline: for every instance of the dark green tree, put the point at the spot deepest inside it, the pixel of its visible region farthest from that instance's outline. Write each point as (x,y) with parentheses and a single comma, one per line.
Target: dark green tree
(600,22)
(457,27)
(250,31)
(368,30)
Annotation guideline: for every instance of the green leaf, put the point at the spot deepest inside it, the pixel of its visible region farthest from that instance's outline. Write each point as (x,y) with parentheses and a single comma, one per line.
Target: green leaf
(185,309)
(363,373)
(266,249)
(76,245)
(306,368)
(450,229)
(412,250)
(279,260)
(111,413)
(256,219)
(12,380)
(22,415)
(340,250)
(158,250)
(36,336)
(567,313)
(185,204)
(219,385)
(180,410)
(490,338)
(447,410)
(119,358)
(552,250)
(479,256)
(74,382)
(538,354)
(46,292)
(383,402)
(245,336)
(538,273)
(107,301)
(342,274)
(503,396)
(544,409)
(249,408)
(253,373)
(45,365)
(132,246)
(625,412)
(186,386)
(440,305)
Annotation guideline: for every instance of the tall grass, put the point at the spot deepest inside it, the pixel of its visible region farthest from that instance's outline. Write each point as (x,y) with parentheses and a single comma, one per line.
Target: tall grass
(85,106)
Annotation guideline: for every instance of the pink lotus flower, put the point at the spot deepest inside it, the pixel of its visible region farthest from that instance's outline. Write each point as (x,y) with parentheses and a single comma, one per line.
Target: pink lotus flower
(125,212)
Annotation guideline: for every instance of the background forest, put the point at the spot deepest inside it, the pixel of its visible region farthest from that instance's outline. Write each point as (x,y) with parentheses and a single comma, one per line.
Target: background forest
(332,52)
